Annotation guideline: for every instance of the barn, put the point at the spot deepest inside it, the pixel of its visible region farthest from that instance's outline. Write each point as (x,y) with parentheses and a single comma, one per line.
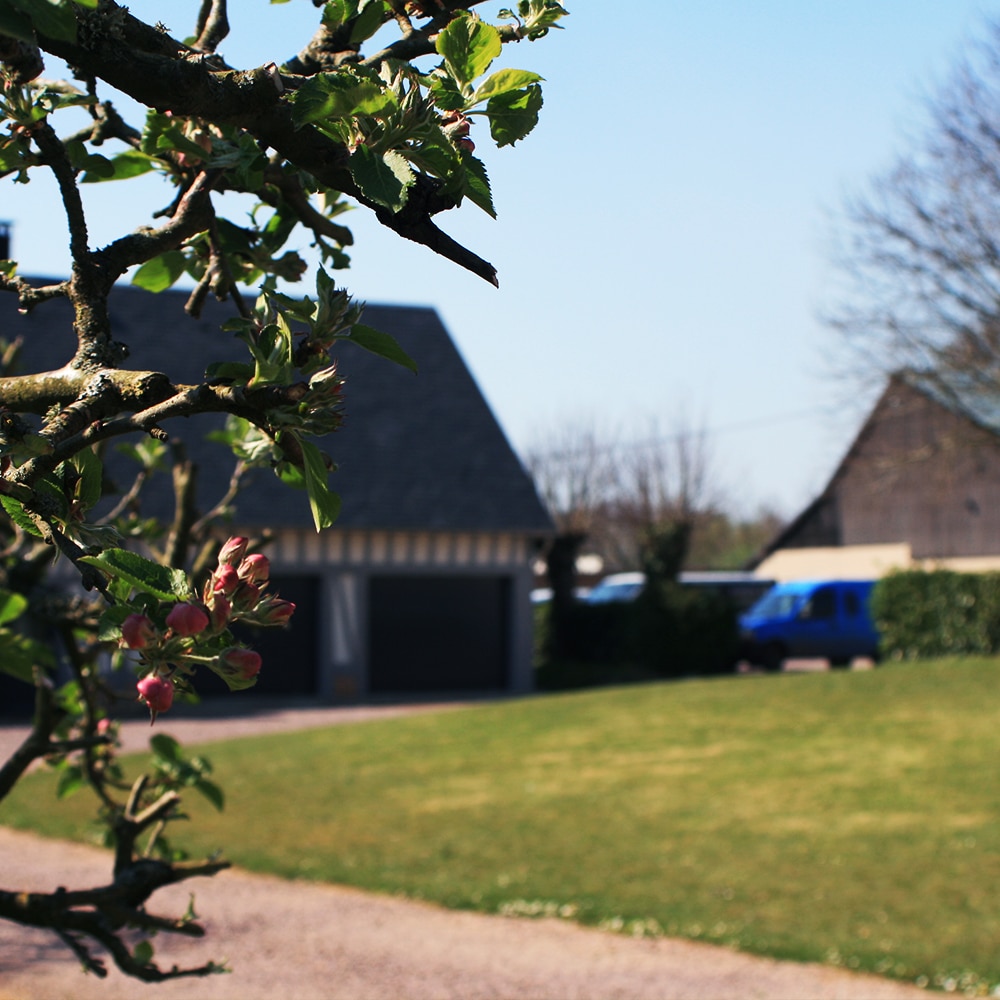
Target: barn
(422,586)
(918,487)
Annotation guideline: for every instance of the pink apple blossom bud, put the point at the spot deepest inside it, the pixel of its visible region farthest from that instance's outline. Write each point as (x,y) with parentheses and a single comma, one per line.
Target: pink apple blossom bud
(246,596)
(219,609)
(138,631)
(255,568)
(225,579)
(274,611)
(157,692)
(244,663)
(232,553)
(455,124)
(187,619)
(103,727)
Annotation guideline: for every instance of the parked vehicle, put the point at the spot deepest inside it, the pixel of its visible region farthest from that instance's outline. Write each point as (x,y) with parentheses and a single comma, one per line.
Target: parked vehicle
(741,589)
(542,595)
(810,618)
(617,587)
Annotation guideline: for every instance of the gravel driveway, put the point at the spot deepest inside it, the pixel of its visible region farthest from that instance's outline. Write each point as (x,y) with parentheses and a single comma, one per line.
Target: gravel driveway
(318,942)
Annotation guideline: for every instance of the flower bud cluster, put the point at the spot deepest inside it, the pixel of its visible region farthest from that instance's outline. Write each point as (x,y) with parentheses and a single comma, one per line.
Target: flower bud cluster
(456,126)
(192,634)
(236,590)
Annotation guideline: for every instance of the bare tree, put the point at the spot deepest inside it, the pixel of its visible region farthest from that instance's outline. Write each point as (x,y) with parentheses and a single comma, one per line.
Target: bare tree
(920,251)
(665,478)
(573,469)
(614,491)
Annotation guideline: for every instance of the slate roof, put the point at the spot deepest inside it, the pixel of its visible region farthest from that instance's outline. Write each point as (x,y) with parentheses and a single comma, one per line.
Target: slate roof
(415,452)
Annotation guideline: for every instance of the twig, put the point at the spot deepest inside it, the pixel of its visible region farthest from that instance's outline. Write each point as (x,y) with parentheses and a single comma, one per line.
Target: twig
(213,25)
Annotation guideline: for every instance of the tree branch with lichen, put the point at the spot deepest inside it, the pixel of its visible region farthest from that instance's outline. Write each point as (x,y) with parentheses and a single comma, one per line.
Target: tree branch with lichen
(251,99)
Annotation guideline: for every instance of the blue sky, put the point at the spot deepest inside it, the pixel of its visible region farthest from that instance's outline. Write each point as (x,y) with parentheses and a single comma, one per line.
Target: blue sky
(662,236)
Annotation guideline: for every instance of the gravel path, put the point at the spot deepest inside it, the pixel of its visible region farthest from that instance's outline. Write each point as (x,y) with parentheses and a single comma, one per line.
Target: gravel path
(317,942)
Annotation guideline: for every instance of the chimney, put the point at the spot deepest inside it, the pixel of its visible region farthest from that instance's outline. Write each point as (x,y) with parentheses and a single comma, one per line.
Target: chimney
(5,228)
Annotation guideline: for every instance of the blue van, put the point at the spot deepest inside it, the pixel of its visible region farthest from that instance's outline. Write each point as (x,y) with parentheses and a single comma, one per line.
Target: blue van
(810,618)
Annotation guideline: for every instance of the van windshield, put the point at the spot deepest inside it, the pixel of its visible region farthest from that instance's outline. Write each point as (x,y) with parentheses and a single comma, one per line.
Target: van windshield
(776,604)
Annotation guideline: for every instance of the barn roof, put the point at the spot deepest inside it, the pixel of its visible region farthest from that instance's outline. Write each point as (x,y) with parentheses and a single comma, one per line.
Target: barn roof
(415,452)
(968,397)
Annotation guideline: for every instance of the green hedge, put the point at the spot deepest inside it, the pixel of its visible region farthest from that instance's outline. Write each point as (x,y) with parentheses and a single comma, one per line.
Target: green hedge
(923,614)
(670,631)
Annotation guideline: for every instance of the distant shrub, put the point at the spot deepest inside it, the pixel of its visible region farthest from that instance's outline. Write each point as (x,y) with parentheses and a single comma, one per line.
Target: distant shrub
(669,631)
(938,613)
(682,630)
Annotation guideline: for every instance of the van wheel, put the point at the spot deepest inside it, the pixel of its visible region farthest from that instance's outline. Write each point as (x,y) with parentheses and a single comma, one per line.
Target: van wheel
(772,656)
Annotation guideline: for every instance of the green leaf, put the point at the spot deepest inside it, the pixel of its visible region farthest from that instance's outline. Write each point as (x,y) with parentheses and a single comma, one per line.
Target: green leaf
(368,21)
(19,656)
(468,46)
(142,953)
(148,452)
(16,512)
(14,23)
(290,475)
(338,12)
(173,139)
(380,343)
(325,506)
(143,574)
(90,469)
(71,780)
(234,681)
(94,537)
(437,156)
(98,167)
(158,274)
(339,95)
(536,17)
(503,82)
(212,792)
(166,747)
(229,371)
(110,622)
(11,606)
(52,18)
(384,179)
(123,166)
(13,153)
(447,92)
(477,185)
(514,115)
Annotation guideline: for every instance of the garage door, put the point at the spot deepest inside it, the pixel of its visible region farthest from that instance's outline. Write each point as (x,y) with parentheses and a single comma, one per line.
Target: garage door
(438,633)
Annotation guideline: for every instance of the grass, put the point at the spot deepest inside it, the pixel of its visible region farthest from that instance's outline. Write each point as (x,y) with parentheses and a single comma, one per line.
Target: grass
(849,818)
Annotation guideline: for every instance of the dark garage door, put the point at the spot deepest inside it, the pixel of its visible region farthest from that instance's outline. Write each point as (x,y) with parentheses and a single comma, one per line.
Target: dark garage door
(438,633)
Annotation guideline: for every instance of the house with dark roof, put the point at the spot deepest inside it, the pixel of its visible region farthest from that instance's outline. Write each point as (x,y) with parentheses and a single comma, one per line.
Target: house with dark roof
(918,487)
(423,584)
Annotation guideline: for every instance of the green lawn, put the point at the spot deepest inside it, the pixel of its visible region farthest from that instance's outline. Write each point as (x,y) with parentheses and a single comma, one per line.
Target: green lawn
(851,818)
